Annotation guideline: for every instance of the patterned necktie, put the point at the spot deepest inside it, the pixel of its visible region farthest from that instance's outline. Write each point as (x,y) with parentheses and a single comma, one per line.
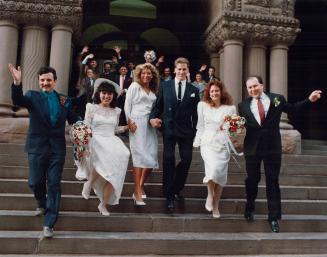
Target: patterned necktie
(261,111)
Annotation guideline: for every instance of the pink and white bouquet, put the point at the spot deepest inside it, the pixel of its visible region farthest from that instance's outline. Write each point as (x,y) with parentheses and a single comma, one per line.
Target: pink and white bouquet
(233,124)
(80,135)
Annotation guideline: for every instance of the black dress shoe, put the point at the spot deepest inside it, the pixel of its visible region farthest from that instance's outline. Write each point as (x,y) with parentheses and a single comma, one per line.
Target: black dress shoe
(249,216)
(170,203)
(274,226)
(178,197)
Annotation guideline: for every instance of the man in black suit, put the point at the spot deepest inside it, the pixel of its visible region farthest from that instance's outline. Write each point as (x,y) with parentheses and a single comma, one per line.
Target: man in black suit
(45,142)
(175,112)
(124,82)
(262,142)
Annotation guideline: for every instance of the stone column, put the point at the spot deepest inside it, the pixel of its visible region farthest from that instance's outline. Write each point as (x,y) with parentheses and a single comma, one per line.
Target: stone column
(221,63)
(278,69)
(8,54)
(60,55)
(291,139)
(233,64)
(34,55)
(215,62)
(255,61)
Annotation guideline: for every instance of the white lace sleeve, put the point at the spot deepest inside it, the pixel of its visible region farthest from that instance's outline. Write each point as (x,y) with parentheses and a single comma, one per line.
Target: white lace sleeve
(119,129)
(89,113)
(199,126)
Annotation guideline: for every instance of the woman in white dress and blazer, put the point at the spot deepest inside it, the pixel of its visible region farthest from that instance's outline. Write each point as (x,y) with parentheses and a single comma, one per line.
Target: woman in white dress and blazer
(213,141)
(143,138)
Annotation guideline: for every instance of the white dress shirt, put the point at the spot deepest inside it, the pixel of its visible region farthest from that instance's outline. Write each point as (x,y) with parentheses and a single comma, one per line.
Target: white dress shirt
(183,87)
(254,106)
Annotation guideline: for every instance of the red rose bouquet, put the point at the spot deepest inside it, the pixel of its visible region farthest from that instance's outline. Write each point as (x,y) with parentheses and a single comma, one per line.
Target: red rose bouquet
(80,135)
(233,124)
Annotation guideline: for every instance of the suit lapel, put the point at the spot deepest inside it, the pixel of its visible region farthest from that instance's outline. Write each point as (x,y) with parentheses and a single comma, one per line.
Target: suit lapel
(44,108)
(249,112)
(270,110)
(186,93)
(173,92)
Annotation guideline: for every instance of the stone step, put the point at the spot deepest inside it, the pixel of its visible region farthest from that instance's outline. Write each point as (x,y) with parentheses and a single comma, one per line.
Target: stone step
(86,255)
(67,242)
(179,223)
(157,205)
(16,186)
(235,177)
(308,142)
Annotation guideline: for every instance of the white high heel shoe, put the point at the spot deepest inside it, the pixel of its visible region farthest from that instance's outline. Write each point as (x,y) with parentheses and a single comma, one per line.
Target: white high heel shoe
(209,204)
(103,210)
(138,203)
(86,190)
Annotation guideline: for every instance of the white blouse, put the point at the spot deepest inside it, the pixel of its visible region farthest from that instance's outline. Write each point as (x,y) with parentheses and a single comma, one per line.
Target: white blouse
(138,102)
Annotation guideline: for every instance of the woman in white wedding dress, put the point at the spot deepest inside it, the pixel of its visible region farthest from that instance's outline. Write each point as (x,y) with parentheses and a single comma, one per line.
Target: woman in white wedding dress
(213,141)
(143,137)
(109,156)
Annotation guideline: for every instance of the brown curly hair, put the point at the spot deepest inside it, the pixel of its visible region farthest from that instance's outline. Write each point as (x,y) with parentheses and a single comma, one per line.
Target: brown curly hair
(225,97)
(154,83)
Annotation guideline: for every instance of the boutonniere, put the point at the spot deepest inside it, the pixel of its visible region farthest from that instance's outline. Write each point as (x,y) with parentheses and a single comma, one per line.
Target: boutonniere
(276,101)
(63,101)
(192,95)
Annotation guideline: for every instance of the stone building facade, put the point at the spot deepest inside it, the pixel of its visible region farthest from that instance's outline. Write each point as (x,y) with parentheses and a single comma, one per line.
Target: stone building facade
(243,37)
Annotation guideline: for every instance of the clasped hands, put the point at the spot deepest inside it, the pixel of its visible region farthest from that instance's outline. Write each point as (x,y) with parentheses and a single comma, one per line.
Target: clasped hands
(132,126)
(156,123)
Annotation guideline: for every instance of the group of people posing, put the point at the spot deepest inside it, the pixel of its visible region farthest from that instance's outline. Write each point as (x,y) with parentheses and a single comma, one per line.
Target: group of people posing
(174,108)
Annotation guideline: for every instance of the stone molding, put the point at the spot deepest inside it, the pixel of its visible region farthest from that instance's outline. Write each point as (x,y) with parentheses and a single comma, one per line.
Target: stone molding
(43,12)
(251,28)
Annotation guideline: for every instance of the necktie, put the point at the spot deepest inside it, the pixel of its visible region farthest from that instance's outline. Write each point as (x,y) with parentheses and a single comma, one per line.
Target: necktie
(179,96)
(122,82)
(261,111)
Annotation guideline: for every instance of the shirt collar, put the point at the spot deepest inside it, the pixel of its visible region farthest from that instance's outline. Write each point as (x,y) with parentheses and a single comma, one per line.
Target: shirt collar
(183,82)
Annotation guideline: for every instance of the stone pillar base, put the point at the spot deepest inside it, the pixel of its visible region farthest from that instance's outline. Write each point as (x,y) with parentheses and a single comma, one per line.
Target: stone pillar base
(291,141)
(13,130)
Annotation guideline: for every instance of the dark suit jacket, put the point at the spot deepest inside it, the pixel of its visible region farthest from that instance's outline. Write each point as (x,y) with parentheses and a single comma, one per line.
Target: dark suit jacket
(266,137)
(42,137)
(179,121)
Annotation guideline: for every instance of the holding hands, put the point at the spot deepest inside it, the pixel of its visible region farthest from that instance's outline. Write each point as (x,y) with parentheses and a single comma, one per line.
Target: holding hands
(132,126)
(15,73)
(315,95)
(156,123)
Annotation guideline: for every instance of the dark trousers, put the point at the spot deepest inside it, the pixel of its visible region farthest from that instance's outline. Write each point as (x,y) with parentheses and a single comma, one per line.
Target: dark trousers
(45,172)
(121,104)
(272,164)
(174,177)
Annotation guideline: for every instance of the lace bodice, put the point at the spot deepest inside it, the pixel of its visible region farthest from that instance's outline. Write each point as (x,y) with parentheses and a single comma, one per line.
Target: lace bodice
(103,120)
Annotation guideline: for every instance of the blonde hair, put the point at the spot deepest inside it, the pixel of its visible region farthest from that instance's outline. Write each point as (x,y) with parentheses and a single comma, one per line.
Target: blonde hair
(182,60)
(154,83)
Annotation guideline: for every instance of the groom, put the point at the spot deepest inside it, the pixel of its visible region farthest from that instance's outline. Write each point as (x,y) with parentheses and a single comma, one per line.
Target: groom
(175,111)
(45,143)
(262,143)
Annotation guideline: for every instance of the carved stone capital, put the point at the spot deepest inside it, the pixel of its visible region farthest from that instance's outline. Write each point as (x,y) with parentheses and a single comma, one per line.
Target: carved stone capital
(43,12)
(251,28)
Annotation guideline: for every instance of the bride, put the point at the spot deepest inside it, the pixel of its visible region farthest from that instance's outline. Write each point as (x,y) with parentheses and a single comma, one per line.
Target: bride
(109,156)
(215,152)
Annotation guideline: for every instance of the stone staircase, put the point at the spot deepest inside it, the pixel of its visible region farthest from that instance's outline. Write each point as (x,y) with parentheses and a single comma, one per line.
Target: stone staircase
(150,230)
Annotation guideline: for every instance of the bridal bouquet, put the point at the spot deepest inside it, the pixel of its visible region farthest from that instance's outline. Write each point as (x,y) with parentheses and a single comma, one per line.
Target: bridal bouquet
(80,135)
(233,124)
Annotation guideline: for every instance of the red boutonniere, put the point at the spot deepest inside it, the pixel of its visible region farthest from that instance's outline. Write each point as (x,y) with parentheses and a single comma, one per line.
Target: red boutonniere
(62,100)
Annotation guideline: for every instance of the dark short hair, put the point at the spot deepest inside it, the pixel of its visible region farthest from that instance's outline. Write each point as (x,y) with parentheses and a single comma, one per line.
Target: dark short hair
(47,69)
(105,87)
(259,78)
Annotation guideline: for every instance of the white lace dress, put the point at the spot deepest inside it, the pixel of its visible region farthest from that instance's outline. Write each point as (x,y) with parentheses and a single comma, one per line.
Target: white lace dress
(144,142)
(108,154)
(213,142)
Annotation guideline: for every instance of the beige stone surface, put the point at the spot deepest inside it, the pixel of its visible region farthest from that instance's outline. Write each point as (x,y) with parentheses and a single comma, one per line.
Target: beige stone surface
(291,141)
(13,130)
